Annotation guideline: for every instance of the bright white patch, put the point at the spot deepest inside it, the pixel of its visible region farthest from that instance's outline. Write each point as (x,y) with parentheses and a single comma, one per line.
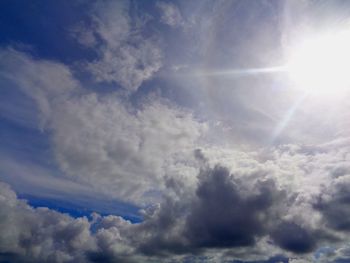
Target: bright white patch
(321,64)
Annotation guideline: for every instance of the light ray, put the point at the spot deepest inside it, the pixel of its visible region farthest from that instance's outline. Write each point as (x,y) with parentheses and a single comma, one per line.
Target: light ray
(288,116)
(241,72)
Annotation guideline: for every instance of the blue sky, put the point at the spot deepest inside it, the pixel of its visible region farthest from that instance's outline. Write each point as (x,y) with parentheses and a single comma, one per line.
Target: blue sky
(174,131)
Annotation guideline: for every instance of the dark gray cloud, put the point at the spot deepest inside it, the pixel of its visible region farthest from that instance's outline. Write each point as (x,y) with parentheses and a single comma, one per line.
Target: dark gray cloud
(221,216)
(293,237)
(232,215)
(234,212)
(334,202)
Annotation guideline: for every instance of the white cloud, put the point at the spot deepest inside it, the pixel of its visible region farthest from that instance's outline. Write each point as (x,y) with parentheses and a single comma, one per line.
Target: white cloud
(40,234)
(84,35)
(99,140)
(125,152)
(43,81)
(125,56)
(128,65)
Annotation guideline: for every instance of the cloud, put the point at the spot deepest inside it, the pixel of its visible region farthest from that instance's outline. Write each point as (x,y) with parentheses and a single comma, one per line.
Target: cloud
(39,183)
(42,235)
(32,235)
(246,211)
(238,220)
(101,141)
(118,149)
(125,55)
(334,201)
(293,237)
(170,14)
(84,35)
(42,80)
(219,215)
(284,200)
(201,200)
(252,208)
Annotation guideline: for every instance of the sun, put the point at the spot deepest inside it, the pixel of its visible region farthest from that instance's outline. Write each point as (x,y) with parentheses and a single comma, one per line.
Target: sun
(321,64)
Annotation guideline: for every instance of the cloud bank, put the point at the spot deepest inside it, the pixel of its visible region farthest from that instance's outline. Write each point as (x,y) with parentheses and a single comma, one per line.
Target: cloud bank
(246,212)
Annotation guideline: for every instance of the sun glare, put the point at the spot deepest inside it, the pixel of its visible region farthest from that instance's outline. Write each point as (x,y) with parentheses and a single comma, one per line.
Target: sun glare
(321,64)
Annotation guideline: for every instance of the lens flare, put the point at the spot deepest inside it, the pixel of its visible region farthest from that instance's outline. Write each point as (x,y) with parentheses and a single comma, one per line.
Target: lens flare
(321,64)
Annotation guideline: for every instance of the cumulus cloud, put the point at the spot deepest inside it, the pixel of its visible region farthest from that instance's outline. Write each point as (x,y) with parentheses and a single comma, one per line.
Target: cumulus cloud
(254,202)
(245,211)
(120,150)
(238,220)
(102,142)
(219,215)
(32,235)
(166,231)
(125,55)
(293,237)
(334,201)
(42,235)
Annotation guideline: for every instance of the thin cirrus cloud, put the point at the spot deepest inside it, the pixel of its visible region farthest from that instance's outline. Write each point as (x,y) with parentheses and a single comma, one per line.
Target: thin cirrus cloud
(187,155)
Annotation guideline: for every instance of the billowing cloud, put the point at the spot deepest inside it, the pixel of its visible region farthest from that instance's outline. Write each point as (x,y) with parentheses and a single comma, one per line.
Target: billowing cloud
(239,212)
(238,220)
(32,235)
(103,141)
(252,206)
(293,237)
(333,202)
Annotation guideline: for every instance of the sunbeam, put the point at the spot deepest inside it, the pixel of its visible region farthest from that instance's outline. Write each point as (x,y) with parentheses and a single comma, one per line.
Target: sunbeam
(243,72)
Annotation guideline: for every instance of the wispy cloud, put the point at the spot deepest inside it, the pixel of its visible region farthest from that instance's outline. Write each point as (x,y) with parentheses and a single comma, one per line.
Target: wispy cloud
(125,55)
(170,14)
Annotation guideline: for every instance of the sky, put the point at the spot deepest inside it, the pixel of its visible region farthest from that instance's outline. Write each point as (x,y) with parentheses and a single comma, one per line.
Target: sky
(174,131)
